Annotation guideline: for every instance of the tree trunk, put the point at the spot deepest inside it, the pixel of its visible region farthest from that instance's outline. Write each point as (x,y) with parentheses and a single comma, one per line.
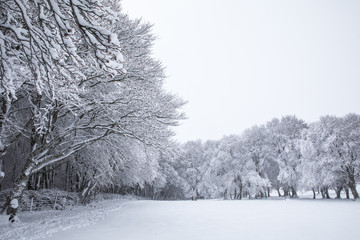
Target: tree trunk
(32,182)
(197,194)
(12,203)
(67,176)
(353,190)
(38,181)
(225,194)
(327,193)
(2,171)
(338,192)
(293,193)
(347,192)
(261,194)
(351,183)
(52,179)
(46,178)
(286,192)
(86,193)
(1,178)
(314,194)
(240,191)
(322,193)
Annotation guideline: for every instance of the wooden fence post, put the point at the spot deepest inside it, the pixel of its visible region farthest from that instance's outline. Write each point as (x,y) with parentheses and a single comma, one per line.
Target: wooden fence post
(55,200)
(31,204)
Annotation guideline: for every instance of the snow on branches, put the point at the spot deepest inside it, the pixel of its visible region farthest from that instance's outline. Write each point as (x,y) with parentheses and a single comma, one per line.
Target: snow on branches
(52,38)
(66,91)
(49,45)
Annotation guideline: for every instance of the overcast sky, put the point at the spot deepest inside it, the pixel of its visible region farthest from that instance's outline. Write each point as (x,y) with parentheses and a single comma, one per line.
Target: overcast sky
(239,63)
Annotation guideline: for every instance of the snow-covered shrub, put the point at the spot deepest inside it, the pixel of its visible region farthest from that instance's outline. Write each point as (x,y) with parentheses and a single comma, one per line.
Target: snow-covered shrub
(43,199)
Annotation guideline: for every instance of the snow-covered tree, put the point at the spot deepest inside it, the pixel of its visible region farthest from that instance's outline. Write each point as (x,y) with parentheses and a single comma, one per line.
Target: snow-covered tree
(193,162)
(330,154)
(44,45)
(172,185)
(232,172)
(285,154)
(347,145)
(210,185)
(310,166)
(223,171)
(257,149)
(81,94)
(285,135)
(316,170)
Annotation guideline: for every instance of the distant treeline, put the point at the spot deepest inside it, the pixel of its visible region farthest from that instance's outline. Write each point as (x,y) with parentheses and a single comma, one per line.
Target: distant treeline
(286,155)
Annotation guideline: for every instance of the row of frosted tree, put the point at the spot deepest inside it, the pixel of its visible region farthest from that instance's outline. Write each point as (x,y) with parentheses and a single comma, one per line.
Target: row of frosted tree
(82,104)
(286,155)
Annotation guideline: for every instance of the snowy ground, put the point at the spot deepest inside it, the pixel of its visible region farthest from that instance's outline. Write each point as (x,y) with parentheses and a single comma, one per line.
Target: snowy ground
(207,219)
(41,225)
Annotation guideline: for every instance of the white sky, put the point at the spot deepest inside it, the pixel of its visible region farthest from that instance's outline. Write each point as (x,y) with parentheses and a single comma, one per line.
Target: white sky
(243,62)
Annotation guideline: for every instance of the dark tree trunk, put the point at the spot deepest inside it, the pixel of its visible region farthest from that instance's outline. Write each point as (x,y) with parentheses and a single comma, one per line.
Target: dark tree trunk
(322,193)
(351,183)
(2,171)
(314,194)
(347,192)
(225,194)
(240,191)
(52,179)
(353,190)
(338,192)
(327,193)
(261,194)
(286,192)
(1,179)
(67,177)
(293,193)
(32,182)
(46,178)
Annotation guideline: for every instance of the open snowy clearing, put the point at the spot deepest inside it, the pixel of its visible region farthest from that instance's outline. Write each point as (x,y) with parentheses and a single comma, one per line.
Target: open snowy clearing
(217,219)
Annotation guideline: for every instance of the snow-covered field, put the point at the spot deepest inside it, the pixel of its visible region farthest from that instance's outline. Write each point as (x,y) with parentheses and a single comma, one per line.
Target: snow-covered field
(41,225)
(206,219)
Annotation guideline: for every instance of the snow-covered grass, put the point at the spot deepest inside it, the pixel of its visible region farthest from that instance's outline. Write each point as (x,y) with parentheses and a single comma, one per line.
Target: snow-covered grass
(275,218)
(217,219)
(42,224)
